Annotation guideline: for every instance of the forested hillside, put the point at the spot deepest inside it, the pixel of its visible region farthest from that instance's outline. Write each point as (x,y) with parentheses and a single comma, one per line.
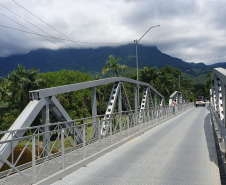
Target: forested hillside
(92,60)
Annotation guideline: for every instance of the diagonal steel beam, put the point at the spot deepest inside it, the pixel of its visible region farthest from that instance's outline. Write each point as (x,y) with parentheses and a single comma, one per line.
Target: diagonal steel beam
(125,98)
(62,115)
(24,120)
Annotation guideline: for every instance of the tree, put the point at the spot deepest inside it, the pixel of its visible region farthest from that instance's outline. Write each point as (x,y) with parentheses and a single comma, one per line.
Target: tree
(4,93)
(149,75)
(208,84)
(113,65)
(77,103)
(21,81)
(164,81)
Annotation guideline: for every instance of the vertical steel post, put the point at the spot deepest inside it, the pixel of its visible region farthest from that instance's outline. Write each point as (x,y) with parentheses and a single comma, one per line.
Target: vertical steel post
(128,126)
(152,117)
(139,118)
(110,131)
(162,107)
(44,129)
(158,113)
(33,161)
(94,111)
(155,98)
(99,134)
(38,145)
(45,121)
(136,108)
(62,150)
(12,149)
(147,103)
(84,141)
(120,110)
(155,112)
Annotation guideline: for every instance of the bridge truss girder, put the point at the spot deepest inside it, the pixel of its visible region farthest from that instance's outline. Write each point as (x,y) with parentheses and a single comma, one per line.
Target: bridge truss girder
(178,97)
(218,92)
(45,100)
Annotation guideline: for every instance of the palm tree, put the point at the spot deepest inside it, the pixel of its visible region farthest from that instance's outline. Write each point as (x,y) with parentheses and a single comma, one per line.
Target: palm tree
(164,82)
(113,65)
(149,75)
(21,81)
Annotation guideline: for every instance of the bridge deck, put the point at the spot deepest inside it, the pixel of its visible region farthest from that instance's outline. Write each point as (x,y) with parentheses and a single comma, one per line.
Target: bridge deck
(179,151)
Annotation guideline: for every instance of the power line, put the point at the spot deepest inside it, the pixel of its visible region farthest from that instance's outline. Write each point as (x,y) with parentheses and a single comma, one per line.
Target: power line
(52,36)
(54,28)
(14,45)
(39,29)
(24,27)
(30,30)
(28,22)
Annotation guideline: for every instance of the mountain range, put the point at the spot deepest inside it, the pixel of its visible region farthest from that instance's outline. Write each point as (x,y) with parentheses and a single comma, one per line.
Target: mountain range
(93,60)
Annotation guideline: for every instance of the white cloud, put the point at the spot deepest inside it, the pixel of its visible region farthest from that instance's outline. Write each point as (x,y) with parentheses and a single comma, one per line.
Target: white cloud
(191,30)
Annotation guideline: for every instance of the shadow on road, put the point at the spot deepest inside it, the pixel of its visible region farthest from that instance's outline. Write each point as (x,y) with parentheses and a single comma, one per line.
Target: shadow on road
(210,138)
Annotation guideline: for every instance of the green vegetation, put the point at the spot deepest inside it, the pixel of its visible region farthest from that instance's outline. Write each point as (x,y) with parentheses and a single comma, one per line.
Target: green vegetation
(113,65)
(165,80)
(14,93)
(14,89)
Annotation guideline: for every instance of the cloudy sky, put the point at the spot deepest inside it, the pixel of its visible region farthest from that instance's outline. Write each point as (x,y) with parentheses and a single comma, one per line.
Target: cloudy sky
(191,30)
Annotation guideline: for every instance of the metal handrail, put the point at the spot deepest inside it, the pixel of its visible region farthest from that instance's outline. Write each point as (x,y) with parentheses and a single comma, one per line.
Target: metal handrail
(118,131)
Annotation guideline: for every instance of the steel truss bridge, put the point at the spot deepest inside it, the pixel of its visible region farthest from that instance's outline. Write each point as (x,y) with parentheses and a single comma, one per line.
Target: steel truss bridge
(153,144)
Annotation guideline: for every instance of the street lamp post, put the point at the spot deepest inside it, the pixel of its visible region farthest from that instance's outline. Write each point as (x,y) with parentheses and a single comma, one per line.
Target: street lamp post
(136,41)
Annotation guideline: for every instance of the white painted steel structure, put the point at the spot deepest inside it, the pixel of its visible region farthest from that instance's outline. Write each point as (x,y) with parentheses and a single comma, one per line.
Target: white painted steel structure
(66,153)
(217,102)
(44,100)
(46,136)
(178,97)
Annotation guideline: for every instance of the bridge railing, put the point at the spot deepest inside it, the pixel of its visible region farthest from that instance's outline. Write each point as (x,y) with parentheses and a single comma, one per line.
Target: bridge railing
(220,132)
(63,149)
